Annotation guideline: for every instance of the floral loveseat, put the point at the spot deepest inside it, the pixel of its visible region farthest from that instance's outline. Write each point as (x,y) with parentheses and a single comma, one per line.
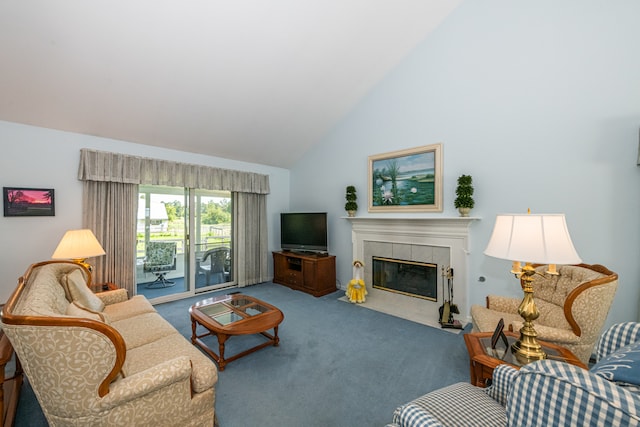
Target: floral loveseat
(103,359)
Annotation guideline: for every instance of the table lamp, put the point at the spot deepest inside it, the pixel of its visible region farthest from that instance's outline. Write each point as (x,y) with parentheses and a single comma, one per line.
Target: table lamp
(532,238)
(78,245)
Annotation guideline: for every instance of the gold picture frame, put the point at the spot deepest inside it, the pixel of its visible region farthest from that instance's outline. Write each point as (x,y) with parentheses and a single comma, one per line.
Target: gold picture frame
(407,180)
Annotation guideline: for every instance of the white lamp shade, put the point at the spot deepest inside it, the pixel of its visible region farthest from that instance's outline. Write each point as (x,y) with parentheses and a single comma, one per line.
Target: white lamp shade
(535,238)
(78,244)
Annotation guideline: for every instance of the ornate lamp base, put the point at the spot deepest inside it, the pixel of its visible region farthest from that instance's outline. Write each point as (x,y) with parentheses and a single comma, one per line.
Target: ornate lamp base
(527,349)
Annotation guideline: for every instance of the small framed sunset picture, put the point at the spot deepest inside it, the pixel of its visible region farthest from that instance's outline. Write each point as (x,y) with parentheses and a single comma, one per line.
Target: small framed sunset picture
(28,201)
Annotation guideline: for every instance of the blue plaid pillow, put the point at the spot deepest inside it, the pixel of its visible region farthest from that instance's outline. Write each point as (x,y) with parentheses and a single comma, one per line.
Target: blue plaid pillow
(621,367)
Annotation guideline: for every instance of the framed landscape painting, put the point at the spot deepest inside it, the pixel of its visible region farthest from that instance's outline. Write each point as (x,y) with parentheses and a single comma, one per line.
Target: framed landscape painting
(407,180)
(28,201)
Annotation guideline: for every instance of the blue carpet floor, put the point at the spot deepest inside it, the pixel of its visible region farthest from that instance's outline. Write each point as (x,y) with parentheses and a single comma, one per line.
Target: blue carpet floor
(337,365)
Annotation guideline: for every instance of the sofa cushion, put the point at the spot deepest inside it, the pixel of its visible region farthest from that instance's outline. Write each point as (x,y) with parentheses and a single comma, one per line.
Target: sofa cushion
(621,367)
(113,296)
(44,295)
(130,308)
(486,320)
(204,374)
(76,310)
(79,291)
(143,329)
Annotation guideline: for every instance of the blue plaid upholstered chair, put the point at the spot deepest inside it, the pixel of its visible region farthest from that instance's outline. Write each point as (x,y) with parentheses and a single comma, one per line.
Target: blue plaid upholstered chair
(543,393)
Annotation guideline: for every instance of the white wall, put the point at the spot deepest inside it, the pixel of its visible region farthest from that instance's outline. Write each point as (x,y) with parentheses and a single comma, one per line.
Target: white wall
(43,158)
(538,101)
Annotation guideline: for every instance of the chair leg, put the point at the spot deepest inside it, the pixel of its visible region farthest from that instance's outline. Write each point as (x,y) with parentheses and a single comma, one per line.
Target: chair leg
(161,280)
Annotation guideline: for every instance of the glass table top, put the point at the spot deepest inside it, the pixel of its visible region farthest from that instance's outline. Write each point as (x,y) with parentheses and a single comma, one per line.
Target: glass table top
(229,311)
(504,353)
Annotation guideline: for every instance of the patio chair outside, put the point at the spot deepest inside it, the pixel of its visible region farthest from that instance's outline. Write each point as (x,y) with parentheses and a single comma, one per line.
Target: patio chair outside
(160,259)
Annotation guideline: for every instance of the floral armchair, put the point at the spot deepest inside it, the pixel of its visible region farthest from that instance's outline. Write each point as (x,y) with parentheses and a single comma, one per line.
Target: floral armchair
(573,307)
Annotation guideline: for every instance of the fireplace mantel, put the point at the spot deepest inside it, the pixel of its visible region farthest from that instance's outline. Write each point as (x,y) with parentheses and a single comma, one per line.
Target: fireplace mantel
(448,234)
(428,225)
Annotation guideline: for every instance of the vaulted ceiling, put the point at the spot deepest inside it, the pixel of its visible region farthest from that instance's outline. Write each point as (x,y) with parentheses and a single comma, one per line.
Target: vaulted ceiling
(252,80)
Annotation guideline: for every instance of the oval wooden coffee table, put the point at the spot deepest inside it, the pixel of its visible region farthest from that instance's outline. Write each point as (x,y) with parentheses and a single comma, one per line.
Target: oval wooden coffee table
(229,315)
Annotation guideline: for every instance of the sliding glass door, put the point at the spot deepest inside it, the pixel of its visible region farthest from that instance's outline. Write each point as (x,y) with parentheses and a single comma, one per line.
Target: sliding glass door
(161,241)
(181,251)
(212,239)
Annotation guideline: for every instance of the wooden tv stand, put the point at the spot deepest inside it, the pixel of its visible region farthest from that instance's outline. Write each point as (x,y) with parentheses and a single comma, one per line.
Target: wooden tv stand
(310,273)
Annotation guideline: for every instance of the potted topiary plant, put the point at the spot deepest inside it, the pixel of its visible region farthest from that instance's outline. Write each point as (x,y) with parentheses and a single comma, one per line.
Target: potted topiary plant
(351,206)
(464,192)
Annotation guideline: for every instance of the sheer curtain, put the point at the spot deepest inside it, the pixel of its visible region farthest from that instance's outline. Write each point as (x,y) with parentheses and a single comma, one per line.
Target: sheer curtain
(110,206)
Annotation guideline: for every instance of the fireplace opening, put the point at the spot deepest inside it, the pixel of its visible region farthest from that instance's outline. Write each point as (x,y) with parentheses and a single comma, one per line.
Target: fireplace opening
(417,279)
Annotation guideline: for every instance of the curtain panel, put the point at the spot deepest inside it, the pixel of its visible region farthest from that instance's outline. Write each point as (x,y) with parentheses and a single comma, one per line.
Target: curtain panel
(115,167)
(109,210)
(250,239)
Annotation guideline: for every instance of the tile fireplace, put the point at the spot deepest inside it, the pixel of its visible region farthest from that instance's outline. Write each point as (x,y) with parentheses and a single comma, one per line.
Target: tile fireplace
(438,242)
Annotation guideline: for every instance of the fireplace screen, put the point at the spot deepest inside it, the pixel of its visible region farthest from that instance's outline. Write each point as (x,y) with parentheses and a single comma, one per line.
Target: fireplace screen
(412,278)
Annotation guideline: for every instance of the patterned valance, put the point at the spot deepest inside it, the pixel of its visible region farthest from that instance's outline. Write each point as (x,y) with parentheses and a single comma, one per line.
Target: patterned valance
(115,167)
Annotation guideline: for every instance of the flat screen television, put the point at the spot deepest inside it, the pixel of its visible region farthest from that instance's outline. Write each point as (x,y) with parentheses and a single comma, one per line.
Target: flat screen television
(303,231)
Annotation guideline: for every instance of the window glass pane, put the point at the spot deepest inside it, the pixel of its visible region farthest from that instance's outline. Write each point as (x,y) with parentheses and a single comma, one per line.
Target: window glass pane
(213,233)
(161,246)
